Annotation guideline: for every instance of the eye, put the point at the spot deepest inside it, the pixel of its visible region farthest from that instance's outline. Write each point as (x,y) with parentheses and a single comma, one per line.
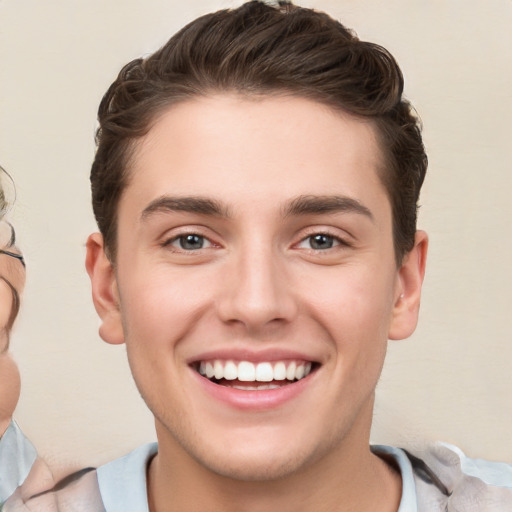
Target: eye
(189,242)
(319,242)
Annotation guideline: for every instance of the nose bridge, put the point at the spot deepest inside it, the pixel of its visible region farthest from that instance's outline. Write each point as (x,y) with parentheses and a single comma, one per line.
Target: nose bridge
(259,292)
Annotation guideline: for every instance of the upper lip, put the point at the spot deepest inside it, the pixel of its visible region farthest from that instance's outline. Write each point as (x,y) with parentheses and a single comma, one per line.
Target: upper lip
(255,356)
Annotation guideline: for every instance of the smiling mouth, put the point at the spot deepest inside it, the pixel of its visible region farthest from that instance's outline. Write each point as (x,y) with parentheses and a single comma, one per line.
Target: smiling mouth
(248,376)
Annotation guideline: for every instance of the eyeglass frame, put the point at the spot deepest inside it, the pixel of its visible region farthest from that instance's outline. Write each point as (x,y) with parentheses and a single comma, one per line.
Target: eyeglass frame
(12,241)
(14,255)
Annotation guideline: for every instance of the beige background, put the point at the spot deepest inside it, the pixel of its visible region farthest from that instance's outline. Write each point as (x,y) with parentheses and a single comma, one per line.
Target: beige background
(452,381)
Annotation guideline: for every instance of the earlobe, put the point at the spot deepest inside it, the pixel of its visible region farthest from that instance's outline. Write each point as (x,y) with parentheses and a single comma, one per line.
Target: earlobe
(104,290)
(408,290)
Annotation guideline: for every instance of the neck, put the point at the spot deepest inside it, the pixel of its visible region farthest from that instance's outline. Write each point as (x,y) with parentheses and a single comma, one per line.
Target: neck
(347,479)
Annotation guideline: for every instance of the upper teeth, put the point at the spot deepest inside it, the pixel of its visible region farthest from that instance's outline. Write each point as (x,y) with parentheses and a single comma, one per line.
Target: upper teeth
(246,371)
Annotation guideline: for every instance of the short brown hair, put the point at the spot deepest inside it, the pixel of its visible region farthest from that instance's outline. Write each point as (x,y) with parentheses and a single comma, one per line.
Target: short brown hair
(260,49)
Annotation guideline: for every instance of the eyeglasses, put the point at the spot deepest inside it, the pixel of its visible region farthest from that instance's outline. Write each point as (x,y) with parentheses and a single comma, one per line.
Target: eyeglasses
(13,255)
(8,240)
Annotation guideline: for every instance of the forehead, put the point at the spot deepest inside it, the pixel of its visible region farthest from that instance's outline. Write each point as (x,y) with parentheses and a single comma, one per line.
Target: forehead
(241,149)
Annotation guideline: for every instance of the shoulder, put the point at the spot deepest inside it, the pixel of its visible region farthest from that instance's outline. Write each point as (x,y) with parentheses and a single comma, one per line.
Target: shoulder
(17,456)
(118,486)
(443,478)
(472,484)
(122,482)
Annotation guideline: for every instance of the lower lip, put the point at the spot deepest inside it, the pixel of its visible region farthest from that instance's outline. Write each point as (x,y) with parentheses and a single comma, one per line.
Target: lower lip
(254,399)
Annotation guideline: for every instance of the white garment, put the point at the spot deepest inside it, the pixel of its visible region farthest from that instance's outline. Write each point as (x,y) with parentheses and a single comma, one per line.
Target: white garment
(470,485)
(17,455)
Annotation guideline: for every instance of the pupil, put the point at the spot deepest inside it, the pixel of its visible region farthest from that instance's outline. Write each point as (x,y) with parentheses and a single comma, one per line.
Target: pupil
(321,242)
(191,242)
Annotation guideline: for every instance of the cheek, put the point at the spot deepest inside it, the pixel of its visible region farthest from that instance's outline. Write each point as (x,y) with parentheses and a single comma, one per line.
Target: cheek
(6,305)
(354,301)
(163,307)
(9,387)
(355,309)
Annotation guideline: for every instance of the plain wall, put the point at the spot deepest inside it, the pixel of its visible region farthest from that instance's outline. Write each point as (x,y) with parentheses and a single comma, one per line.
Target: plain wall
(451,381)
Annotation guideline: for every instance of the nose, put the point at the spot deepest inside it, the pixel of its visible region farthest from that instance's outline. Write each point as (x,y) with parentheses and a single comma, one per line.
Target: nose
(257,291)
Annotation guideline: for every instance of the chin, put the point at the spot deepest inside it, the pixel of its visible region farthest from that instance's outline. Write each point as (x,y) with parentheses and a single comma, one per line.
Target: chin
(255,454)
(264,466)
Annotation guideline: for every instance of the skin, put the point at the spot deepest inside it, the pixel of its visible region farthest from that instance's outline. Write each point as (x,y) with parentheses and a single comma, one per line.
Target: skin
(40,478)
(257,284)
(13,272)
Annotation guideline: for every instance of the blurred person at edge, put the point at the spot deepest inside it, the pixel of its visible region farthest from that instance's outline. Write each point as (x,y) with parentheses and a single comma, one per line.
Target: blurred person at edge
(26,481)
(17,455)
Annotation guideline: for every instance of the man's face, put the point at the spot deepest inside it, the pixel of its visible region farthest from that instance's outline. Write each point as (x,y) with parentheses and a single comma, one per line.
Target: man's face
(255,237)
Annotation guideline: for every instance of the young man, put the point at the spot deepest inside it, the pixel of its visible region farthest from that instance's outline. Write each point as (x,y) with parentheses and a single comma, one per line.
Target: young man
(256,185)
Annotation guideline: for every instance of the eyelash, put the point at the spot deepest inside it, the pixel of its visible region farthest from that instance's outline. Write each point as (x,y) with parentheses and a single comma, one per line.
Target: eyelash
(180,240)
(336,240)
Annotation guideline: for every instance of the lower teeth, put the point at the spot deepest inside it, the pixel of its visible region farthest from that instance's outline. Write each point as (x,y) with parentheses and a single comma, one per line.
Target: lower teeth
(253,385)
(257,388)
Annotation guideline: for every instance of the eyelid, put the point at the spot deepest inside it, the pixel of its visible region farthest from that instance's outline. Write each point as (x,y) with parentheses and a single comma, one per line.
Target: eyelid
(172,236)
(336,243)
(177,238)
(341,239)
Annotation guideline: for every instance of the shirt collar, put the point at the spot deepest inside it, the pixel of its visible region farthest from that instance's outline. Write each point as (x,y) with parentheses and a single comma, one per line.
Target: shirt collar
(123,483)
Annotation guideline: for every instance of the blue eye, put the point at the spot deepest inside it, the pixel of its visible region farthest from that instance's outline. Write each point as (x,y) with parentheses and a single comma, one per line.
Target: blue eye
(190,242)
(319,242)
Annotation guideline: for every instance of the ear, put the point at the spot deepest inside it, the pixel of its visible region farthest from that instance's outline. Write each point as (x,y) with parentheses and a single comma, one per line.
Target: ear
(104,290)
(408,289)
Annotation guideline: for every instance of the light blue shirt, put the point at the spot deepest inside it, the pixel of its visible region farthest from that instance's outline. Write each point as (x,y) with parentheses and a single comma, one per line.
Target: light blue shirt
(17,455)
(472,485)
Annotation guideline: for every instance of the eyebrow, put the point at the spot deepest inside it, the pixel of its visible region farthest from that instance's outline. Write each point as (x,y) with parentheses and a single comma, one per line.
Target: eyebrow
(301,205)
(312,204)
(190,204)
